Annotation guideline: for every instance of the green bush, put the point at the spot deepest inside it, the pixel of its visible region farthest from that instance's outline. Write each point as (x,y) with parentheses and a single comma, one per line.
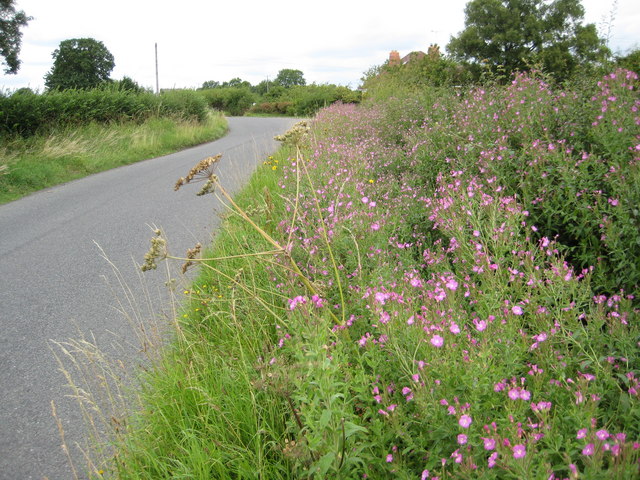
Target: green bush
(26,113)
(233,101)
(272,108)
(184,104)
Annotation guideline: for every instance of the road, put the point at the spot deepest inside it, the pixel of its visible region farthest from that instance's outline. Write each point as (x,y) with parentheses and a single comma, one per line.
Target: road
(55,283)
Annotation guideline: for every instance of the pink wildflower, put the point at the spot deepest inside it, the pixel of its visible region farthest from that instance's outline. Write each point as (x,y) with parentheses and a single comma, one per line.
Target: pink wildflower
(519,451)
(389,458)
(514,393)
(465,421)
(491,462)
(293,302)
(462,439)
(451,284)
(588,450)
(517,310)
(489,443)
(437,341)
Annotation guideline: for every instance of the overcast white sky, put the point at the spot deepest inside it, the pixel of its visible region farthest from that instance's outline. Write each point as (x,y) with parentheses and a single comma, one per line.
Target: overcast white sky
(333,41)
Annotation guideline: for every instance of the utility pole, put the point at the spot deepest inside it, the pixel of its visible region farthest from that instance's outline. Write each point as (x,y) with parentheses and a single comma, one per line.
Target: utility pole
(157,83)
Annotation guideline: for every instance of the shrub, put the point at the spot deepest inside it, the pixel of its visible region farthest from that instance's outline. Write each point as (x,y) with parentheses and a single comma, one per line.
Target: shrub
(185,104)
(233,101)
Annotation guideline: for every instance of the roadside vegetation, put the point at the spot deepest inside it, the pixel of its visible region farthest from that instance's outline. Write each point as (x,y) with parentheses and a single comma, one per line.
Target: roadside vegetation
(438,282)
(55,137)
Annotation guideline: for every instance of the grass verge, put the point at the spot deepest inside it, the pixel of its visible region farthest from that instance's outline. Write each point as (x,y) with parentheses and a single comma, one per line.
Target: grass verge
(38,162)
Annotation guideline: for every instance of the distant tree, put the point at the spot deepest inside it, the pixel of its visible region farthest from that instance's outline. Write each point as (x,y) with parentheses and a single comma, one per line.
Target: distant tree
(515,34)
(24,91)
(10,35)
(79,63)
(290,78)
(631,61)
(236,83)
(128,85)
(263,87)
(210,84)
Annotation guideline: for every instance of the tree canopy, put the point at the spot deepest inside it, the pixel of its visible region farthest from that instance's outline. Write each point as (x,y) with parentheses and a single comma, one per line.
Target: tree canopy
(290,78)
(79,63)
(10,35)
(515,34)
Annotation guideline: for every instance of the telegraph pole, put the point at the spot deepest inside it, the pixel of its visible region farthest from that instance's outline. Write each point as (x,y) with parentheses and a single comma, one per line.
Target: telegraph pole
(157,83)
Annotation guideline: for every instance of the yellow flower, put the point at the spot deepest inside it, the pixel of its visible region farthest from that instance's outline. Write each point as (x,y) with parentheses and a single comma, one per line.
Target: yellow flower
(371,180)
(274,167)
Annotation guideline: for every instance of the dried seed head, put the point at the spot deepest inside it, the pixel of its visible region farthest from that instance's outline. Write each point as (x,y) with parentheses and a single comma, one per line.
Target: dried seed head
(209,186)
(192,253)
(158,250)
(296,135)
(202,171)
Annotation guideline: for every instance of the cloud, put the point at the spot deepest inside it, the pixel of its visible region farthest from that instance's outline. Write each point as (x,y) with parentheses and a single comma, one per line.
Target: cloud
(199,40)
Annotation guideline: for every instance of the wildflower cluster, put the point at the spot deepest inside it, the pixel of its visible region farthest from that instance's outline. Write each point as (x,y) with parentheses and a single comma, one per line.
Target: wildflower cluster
(474,335)
(443,285)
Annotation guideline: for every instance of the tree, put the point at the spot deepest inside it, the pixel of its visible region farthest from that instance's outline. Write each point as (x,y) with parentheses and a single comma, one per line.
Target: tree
(236,83)
(515,34)
(631,61)
(79,63)
(289,78)
(10,35)
(210,84)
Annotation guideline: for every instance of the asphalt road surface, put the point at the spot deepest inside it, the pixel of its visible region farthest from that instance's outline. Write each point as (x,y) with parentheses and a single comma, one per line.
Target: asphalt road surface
(55,283)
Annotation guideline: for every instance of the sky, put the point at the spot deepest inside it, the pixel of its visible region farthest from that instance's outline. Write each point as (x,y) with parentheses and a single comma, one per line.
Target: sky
(333,41)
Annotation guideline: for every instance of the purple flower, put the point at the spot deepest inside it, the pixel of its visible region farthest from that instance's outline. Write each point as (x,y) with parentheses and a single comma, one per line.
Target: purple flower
(519,451)
(582,433)
(489,443)
(462,439)
(491,462)
(437,341)
(514,393)
(517,310)
(389,458)
(451,284)
(588,450)
(465,421)
(602,434)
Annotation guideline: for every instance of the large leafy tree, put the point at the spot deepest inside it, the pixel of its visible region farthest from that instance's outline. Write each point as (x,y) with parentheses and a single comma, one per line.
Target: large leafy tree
(79,63)
(290,78)
(10,35)
(514,34)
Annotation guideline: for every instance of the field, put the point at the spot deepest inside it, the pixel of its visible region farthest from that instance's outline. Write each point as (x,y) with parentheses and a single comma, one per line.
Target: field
(438,283)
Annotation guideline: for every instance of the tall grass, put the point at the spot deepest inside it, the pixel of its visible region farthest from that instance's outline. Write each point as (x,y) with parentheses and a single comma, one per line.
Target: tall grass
(40,161)
(387,299)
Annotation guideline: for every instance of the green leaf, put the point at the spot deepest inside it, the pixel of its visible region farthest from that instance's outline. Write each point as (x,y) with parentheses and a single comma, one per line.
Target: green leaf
(324,464)
(325,418)
(351,428)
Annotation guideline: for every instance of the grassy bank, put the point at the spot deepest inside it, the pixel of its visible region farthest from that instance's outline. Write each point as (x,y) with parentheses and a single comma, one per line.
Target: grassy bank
(41,161)
(440,284)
